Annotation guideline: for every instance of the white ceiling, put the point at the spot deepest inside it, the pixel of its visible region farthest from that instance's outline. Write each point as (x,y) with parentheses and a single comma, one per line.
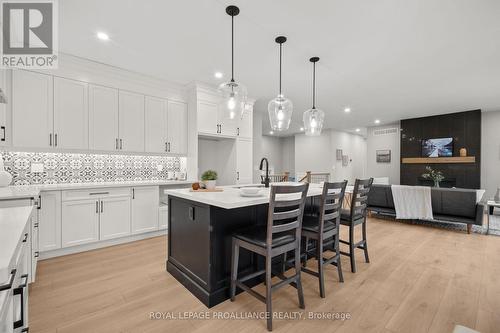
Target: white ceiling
(386,59)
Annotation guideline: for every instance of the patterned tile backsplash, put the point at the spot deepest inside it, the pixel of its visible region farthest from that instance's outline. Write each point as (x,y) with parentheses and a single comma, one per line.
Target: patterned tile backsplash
(88,168)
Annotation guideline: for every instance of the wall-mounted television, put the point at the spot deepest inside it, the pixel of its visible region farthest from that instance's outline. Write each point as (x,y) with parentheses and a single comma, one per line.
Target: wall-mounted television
(441,147)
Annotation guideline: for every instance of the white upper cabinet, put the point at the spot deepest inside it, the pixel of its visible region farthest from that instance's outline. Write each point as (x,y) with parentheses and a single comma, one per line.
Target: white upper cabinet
(227,126)
(208,114)
(244,149)
(131,122)
(103,118)
(177,127)
(32,110)
(156,125)
(51,113)
(245,125)
(71,114)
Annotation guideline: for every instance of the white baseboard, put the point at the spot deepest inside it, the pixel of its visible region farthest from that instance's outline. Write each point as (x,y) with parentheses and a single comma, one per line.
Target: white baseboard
(100,244)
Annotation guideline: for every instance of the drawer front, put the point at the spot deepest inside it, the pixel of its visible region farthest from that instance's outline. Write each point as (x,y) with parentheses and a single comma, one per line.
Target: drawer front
(95,193)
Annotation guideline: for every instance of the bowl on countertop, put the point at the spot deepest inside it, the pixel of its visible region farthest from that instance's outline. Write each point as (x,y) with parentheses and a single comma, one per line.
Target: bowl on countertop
(250,190)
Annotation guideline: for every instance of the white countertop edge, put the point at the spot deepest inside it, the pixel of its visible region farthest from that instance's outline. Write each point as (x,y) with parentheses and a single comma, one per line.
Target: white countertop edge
(32,191)
(230,198)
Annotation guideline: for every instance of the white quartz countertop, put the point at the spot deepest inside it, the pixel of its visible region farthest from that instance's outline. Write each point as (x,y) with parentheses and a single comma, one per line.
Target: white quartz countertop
(230,197)
(12,223)
(30,191)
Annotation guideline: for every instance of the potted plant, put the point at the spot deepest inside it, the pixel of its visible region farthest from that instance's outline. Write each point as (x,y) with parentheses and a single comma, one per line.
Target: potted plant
(209,178)
(436,176)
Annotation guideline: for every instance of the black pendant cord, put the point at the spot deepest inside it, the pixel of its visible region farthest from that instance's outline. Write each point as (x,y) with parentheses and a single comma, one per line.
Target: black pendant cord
(281,44)
(232,48)
(314,85)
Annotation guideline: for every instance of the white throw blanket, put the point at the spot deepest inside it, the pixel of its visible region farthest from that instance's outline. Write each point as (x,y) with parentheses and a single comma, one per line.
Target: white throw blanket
(412,202)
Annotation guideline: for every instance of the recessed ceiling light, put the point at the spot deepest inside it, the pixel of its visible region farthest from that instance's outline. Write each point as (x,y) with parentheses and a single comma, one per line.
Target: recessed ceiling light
(347,109)
(218,75)
(357,130)
(377,121)
(102,35)
(271,132)
(302,129)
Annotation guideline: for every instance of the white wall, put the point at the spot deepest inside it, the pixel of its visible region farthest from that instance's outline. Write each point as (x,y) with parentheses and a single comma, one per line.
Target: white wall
(490,153)
(288,154)
(382,142)
(318,154)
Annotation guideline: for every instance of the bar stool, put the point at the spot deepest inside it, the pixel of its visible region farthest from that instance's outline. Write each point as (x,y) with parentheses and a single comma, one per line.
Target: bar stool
(324,230)
(354,216)
(282,234)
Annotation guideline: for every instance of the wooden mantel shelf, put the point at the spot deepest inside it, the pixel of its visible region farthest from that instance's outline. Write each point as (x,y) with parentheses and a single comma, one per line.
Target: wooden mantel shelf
(435,160)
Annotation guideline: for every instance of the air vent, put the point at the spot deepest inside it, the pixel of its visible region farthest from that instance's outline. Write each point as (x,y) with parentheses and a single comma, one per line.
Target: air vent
(385,131)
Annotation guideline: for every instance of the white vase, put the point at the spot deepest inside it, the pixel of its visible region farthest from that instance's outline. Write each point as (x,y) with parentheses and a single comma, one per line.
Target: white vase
(210,184)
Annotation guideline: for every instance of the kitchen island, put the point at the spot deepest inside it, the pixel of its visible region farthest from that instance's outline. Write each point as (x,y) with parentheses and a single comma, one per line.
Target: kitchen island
(200,226)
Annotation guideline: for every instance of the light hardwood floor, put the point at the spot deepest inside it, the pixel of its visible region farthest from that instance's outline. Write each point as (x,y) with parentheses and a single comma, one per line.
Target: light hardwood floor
(420,279)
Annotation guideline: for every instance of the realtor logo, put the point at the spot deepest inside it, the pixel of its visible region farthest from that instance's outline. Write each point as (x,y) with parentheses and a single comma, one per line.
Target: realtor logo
(29,34)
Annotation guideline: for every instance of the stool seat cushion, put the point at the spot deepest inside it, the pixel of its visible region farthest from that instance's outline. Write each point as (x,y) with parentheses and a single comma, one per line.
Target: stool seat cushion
(311,223)
(345,216)
(257,235)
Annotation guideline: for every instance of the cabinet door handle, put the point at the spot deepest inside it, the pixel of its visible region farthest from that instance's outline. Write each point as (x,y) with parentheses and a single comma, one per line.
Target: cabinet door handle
(20,290)
(166,146)
(55,139)
(102,206)
(25,237)
(50,139)
(35,225)
(133,193)
(39,202)
(121,144)
(169,147)
(97,207)
(238,131)
(3,133)
(191,213)
(98,193)
(37,254)
(116,143)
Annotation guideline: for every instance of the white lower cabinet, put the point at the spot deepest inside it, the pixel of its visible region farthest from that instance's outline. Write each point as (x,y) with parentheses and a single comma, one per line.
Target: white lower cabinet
(76,217)
(163,217)
(145,201)
(114,217)
(80,222)
(49,226)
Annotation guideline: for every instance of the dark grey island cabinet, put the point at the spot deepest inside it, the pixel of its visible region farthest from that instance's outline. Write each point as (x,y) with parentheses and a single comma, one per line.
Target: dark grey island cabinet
(199,241)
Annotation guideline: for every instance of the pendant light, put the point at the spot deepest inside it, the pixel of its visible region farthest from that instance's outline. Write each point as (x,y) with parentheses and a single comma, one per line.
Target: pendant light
(234,94)
(313,118)
(280,108)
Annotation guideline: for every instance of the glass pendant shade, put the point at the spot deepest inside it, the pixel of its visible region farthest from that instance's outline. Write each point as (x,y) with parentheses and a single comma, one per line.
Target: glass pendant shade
(313,122)
(313,118)
(280,108)
(234,99)
(280,113)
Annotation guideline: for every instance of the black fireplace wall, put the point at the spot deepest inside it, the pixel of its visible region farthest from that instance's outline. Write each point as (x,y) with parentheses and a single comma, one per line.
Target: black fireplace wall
(463,127)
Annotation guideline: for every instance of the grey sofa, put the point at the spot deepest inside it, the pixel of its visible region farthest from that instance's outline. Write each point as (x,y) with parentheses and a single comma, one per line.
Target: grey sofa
(448,204)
